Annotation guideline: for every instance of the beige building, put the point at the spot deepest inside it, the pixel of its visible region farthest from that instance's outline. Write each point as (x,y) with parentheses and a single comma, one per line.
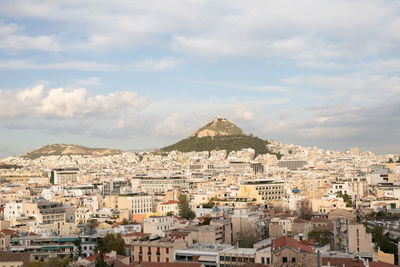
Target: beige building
(168,207)
(249,219)
(161,250)
(290,252)
(157,225)
(263,190)
(351,237)
(135,203)
(14,259)
(325,206)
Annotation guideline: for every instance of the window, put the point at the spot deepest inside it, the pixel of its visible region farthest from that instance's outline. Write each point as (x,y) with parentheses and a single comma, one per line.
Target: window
(293,259)
(262,260)
(284,259)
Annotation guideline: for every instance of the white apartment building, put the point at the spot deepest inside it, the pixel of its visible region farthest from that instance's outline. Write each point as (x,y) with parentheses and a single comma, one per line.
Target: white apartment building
(136,203)
(158,183)
(13,210)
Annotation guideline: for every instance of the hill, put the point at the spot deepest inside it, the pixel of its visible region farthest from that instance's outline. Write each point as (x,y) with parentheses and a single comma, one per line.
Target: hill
(63,149)
(219,134)
(218,127)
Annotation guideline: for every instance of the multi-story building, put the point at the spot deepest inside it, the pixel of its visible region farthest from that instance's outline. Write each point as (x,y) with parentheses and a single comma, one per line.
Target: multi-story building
(157,225)
(40,247)
(292,164)
(158,250)
(249,220)
(237,256)
(43,212)
(351,237)
(264,190)
(114,186)
(64,175)
(207,254)
(135,203)
(159,183)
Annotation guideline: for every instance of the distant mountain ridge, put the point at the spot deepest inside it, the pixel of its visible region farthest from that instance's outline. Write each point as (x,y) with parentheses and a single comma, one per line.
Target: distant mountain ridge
(65,149)
(219,134)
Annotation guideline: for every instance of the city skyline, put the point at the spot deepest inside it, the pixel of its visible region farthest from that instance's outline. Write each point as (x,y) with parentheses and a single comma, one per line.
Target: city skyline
(135,75)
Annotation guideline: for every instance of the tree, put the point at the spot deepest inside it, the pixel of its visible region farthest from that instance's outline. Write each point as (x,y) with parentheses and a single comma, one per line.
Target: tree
(111,242)
(51,262)
(246,238)
(346,198)
(381,240)
(321,237)
(170,213)
(304,210)
(92,224)
(390,160)
(184,209)
(125,221)
(209,205)
(100,247)
(78,251)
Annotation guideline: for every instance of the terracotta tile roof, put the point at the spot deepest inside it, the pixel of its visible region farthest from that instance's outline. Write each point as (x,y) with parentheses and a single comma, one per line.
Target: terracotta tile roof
(94,257)
(135,234)
(285,241)
(299,220)
(307,243)
(9,232)
(169,202)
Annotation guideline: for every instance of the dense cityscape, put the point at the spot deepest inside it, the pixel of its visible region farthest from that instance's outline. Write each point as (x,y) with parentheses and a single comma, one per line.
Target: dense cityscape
(292,206)
(199,133)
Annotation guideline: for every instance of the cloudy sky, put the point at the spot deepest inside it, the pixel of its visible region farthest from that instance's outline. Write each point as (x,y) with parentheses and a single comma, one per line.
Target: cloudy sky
(144,74)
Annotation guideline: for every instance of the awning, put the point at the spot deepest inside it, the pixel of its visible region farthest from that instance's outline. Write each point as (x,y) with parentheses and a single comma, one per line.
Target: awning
(50,248)
(207,259)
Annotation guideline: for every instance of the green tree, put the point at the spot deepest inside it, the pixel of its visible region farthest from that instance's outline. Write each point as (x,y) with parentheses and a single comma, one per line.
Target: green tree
(170,213)
(184,209)
(381,240)
(346,198)
(111,242)
(100,247)
(125,221)
(78,251)
(209,205)
(52,262)
(321,237)
(92,224)
(390,160)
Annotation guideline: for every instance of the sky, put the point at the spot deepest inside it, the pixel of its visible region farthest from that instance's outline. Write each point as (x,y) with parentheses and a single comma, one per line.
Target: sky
(144,74)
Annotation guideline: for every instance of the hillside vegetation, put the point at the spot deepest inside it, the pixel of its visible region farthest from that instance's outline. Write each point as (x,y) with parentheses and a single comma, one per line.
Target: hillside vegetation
(62,149)
(228,143)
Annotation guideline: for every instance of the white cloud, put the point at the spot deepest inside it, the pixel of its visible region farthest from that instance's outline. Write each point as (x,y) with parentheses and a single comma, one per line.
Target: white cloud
(11,39)
(61,103)
(145,65)
(173,125)
(334,29)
